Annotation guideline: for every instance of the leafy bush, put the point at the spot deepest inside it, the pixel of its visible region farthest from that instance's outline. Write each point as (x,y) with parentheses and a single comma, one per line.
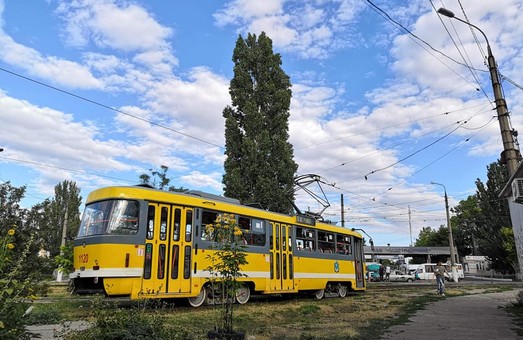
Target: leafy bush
(14,293)
(226,263)
(133,323)
(44,316)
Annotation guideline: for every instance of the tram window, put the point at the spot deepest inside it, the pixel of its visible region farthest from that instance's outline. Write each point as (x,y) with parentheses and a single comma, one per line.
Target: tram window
(208,217)
(343,244)
(177,221)
(148,261)
(110,217)
(253,231)
(188,220)
(187,262)
(188,225)
(284,238)
(161,261)
(163,224)
(150,223)
(258,230)
(306,239)
(326,242)
(174,262)
(291,267)
(277,239)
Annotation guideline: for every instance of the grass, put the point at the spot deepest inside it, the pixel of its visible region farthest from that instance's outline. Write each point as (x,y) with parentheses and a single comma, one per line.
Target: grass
(358,316)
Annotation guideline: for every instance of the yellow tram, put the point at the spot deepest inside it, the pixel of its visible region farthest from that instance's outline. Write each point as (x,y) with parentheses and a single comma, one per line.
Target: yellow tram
(146,243)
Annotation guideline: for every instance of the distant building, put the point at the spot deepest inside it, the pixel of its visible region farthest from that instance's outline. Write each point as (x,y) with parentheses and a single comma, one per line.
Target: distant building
(476,264)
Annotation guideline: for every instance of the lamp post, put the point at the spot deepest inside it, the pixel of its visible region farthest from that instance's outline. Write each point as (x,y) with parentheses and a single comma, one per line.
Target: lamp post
(510,153)
(451,238)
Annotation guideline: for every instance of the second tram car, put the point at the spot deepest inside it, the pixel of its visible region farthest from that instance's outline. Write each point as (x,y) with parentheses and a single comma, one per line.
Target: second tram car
(146,243)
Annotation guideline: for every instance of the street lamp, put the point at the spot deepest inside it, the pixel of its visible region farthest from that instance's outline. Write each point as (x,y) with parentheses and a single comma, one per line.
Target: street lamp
(451,238)
(510,153)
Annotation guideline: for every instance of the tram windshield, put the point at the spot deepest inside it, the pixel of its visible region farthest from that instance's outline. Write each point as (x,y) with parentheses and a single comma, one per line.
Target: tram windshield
(114,217)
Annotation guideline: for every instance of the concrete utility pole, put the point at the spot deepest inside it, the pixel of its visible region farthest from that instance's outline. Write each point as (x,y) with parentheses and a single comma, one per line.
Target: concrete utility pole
(59,274)
(510,152)
(451,238)
(410,228)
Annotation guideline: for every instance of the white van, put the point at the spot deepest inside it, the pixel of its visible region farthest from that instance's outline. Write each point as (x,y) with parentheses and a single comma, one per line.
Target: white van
(425,271)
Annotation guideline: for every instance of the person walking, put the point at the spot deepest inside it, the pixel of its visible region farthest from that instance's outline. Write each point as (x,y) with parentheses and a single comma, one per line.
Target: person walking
(381,272)
(387,273)
(439,272)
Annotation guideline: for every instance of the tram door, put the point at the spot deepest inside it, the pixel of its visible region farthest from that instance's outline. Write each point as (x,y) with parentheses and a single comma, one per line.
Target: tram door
(167,250)
(359,262)
(281,261)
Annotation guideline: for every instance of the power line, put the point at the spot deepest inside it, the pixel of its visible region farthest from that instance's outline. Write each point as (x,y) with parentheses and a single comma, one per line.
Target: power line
(415,152)
(415,38)
(66,169)
(109,107)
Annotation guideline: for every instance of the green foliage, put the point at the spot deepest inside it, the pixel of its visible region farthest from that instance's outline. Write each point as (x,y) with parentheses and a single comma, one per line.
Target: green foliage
(47,316)
(64,261)
(259,167)
(494,217)
(134,323)
(464,223)
(308,309)
(13,292)
(509,244)
(226,263)
(483,222)
(429,237)
(158,179)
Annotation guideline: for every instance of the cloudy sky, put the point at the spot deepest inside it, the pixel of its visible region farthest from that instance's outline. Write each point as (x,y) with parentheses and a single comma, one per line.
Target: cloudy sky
(387,97)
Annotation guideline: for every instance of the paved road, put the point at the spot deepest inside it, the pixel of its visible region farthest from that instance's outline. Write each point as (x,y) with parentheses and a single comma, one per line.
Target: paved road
(479,316)
(47,332)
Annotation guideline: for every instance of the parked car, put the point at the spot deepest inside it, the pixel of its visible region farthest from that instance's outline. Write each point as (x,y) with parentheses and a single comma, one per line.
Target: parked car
(398,276)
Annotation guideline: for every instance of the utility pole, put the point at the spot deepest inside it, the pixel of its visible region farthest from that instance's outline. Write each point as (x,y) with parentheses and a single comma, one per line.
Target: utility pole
(451,238)
(62,245)
(342,212)
(410,228)
(510,154)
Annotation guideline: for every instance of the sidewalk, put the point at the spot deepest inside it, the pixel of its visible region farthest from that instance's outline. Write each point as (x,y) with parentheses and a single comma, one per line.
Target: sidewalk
(464,317)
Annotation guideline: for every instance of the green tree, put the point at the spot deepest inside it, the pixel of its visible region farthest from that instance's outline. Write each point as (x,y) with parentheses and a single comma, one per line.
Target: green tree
(49,217)
(429,237)
(466,215)
(10,211)
(158,179)
(494,216)
(259,167)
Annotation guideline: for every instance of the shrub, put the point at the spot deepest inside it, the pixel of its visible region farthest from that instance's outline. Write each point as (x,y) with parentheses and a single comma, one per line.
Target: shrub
(225,266)
(14,293)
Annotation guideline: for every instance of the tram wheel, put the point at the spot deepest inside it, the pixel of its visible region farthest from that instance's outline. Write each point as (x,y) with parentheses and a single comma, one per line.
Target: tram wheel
(198,300)
(319,294)
(243,294)
(342,290)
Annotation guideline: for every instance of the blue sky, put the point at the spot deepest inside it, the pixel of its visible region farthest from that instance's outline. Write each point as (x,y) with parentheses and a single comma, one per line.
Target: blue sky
(368,97)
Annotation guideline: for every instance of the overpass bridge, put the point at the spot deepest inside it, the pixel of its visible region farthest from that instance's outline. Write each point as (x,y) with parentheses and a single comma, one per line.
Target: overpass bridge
(387,251)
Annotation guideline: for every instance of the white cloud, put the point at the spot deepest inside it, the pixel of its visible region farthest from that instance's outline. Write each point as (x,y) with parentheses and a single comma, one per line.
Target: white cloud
(122,25)
(47,136)
(309,30)
(51,68)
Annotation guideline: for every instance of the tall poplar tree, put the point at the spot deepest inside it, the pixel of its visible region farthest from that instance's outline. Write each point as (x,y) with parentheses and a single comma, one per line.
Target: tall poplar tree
(259,167)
